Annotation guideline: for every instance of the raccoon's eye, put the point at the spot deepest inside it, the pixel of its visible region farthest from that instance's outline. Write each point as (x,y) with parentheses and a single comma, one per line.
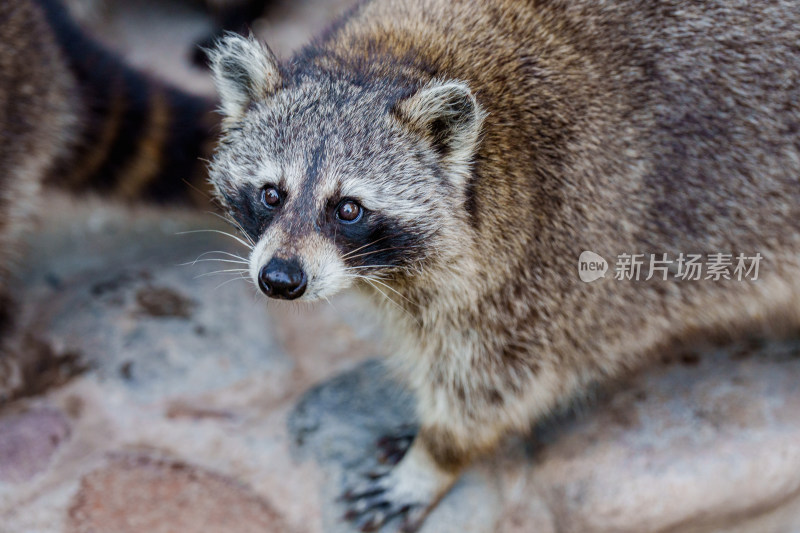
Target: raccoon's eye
(349,211)
(270,197)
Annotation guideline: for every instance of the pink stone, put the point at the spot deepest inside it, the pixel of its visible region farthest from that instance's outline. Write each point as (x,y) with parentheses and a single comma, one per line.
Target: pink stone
(136,494)
(28,441)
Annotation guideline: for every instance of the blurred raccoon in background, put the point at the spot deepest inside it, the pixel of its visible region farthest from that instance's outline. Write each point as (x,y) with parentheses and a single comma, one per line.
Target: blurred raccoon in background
(72,115)
(227,15)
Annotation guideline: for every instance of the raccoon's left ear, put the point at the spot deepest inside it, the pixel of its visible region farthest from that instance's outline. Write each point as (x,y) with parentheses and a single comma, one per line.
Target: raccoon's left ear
(245,71)
(449,117)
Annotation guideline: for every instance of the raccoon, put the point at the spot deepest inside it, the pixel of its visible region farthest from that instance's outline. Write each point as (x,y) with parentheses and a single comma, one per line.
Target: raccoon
(224,15)
(72,115)
(454,159)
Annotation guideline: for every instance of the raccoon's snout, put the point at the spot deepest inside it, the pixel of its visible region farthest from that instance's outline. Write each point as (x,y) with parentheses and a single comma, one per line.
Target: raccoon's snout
(282,279)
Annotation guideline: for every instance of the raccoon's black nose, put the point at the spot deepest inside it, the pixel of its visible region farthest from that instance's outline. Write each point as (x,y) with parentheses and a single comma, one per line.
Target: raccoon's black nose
(283,279)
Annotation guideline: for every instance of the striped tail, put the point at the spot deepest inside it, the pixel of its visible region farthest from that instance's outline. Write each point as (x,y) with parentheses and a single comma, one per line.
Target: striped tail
(139,138)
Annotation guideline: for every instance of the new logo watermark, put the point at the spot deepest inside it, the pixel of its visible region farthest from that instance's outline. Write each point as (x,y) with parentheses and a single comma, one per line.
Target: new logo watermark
(591,267)
(683,267)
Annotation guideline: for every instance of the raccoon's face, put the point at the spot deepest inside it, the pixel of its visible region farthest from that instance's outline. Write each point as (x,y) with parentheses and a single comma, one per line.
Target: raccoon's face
(338,183)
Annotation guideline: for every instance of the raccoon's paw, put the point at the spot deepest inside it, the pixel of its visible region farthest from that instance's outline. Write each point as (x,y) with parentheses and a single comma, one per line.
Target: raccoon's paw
(380,499)
(393,447)
(406,492)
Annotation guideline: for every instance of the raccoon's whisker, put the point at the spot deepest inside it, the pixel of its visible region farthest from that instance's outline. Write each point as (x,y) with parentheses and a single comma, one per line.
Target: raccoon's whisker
(373,275)
(378,251)
(228,281)
(192,263)
(393,290)
(221,252)
(403,309)
(235,224)
(378,280)
(330,303)
(348,254)
(210,199)
(249,247)
(361,267)
(237,270)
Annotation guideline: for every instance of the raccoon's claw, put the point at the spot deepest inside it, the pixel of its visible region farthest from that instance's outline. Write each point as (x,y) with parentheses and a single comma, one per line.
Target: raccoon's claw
(392,448)
(405,493)
(372,504)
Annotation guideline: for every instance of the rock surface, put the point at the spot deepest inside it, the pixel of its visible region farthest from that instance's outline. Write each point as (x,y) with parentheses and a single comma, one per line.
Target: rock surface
(138,493)
(27,442)
(205,409)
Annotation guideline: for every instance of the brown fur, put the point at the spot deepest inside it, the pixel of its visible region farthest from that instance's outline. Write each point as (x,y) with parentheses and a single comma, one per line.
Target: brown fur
(613,130)
(627,127)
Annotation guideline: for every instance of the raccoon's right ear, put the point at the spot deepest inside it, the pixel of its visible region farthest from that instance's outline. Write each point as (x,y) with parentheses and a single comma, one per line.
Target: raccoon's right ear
(245,71)
(449,117)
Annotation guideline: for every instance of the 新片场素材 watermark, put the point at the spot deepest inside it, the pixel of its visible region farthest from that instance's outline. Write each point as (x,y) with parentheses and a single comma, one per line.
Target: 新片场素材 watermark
(663,266)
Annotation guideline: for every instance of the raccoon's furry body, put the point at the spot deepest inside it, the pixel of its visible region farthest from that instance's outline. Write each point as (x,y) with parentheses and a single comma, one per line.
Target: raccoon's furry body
(73,116)
(484,146)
